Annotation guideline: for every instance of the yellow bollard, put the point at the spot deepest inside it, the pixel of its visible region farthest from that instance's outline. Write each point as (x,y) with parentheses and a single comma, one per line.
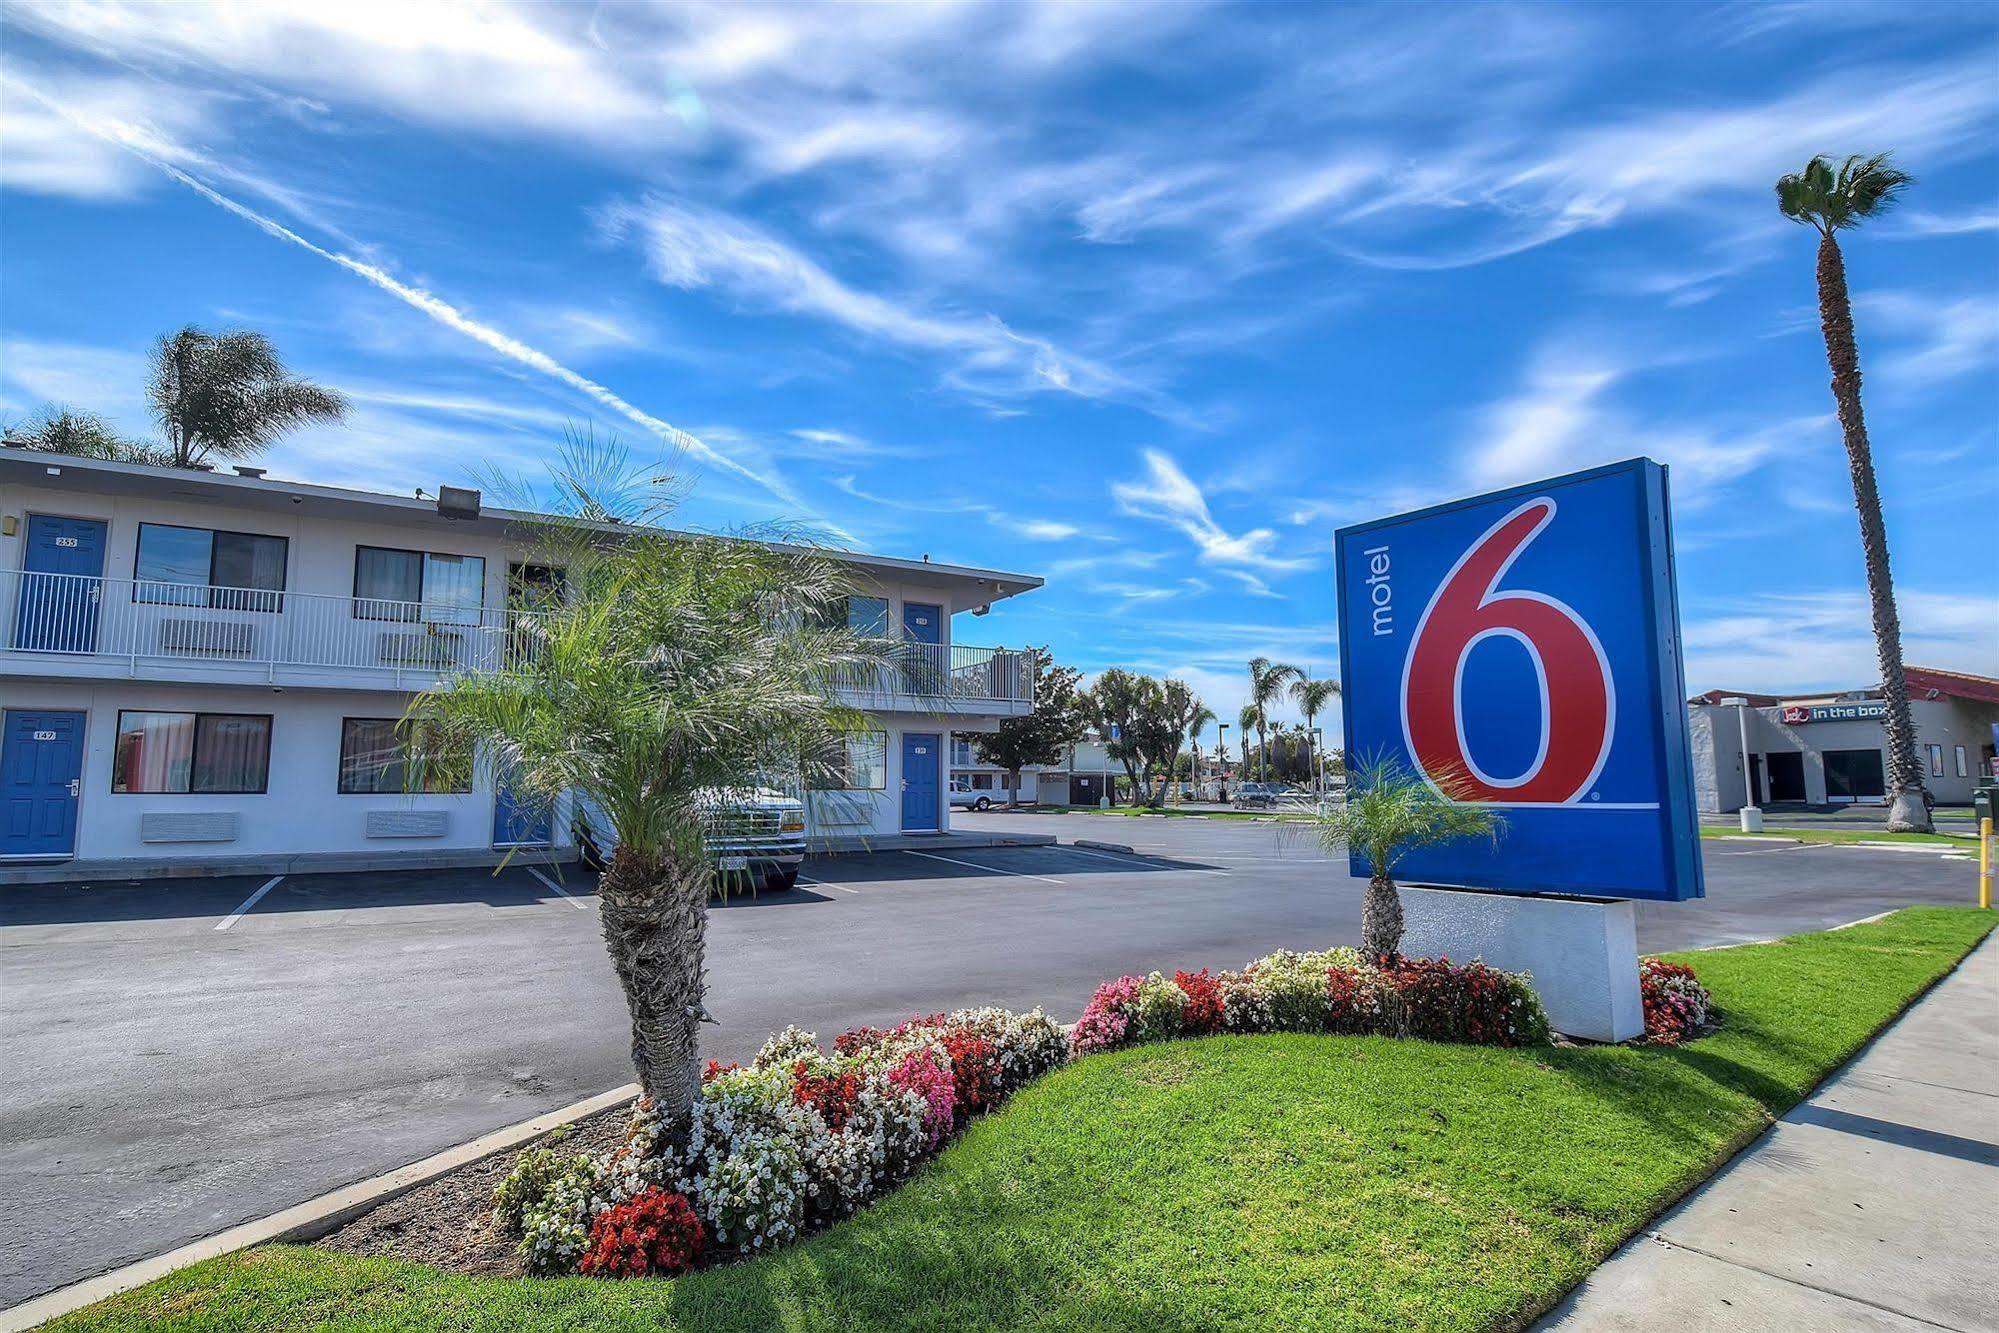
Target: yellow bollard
(1985,862)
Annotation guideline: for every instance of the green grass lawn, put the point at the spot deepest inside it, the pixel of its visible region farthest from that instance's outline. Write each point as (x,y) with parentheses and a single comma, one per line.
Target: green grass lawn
(1969,844)
(1283,1182)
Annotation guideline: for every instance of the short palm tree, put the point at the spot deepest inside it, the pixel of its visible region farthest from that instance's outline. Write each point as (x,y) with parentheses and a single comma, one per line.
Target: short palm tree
(1312,696)
(677,675)
(1829,200)
(1267,680)
(1390,812)
(64,430)
(228,394)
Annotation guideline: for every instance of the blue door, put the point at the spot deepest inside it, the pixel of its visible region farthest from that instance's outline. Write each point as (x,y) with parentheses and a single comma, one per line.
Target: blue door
(41,761)
(517,825)
(923,671)
(919,782)
(60,585)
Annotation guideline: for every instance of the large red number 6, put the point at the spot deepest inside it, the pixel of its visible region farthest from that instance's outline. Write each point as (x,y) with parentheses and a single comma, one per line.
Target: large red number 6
(1575,688)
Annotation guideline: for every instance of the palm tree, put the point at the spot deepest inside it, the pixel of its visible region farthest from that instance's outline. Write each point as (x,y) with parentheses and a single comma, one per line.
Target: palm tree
(1247,720)
(64,430)
(1312,696)
(1829,200)
(1198,723)
(1266,686)
(1390,812)
(677,675)
(229,394)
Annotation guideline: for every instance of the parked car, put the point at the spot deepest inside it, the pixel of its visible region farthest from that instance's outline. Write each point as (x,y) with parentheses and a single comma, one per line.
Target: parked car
(757,837)
(1267,795)
(964,796)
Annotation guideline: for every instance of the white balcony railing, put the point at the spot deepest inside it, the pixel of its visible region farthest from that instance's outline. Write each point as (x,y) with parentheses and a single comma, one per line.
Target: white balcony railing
(278,633)
(950,674)
(144,621)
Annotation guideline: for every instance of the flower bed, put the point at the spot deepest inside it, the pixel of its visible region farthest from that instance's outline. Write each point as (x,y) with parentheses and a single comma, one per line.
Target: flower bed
(801,1137)
(1333,991)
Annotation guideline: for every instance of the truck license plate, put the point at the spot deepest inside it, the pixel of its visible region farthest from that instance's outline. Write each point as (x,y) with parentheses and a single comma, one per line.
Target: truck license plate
(735,863)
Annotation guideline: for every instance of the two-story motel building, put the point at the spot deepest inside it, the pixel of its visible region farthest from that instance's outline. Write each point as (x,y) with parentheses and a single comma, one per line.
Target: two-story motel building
(203,670)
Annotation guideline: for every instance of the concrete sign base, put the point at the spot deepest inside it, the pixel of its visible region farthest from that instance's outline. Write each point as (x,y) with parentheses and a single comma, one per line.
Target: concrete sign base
(1582,953)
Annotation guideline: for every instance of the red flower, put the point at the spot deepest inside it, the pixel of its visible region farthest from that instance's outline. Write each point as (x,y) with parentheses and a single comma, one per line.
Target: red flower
(975,1072)
(654,1232)
(1203,1011)
(832,1095)
(716,1068)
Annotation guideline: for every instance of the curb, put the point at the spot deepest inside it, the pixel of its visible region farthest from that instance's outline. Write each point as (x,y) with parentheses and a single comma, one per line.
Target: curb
(1090,844)
(302,1221)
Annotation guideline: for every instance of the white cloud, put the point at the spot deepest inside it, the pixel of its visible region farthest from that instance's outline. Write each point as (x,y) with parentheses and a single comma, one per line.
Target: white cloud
(1563,418)
(1940,338)
(695,248)
(1913,225)
(1785,642)
(50,152)
(1167,495)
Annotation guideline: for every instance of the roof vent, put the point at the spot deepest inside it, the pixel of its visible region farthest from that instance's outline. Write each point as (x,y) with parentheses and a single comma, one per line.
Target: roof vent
(253,473)
(457,502)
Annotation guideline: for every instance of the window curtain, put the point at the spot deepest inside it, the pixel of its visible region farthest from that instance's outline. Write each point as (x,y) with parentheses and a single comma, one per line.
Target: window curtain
(387,584)
(454,588)
(231,754)
(155,752)
(371,755)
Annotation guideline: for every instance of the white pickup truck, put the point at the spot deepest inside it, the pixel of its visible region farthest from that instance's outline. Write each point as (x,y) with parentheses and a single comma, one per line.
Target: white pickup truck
(755,835)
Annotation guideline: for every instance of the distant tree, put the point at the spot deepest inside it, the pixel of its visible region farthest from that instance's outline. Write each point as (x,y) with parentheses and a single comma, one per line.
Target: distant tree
(1247,719)
(1115,704)
(1142,721)
(1830,200)
(228,394)
(1057,722)
(1312,698)
(58,429)
(1267,680)
(1203,717)
(1390,812)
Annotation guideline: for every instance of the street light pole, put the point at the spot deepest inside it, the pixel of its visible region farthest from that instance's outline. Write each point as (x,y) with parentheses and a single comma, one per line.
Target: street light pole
(1752,816)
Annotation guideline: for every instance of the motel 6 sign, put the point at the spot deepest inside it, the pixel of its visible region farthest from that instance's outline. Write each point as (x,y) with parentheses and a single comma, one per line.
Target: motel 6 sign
(1522,648)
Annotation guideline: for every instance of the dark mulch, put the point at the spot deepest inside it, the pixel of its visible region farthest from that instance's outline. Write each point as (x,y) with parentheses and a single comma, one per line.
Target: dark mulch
(449,1222)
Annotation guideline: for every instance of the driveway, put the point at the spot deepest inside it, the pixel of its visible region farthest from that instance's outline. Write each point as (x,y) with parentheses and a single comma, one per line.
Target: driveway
(177,1062)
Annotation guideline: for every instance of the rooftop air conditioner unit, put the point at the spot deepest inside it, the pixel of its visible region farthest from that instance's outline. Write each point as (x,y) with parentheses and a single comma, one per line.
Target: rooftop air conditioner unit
(457,502)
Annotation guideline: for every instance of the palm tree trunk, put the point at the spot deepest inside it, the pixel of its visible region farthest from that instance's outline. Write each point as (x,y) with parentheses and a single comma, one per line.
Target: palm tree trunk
(655,916)
(1381,918)
(1311,773)
(1262,753)
(1905,775)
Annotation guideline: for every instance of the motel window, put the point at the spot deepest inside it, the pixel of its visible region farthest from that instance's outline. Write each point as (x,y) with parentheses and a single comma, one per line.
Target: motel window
(1936,761)
(1963,764)
(865,617)
(230,571)
(192,752)
(418,585)
(375,758)
(857,763)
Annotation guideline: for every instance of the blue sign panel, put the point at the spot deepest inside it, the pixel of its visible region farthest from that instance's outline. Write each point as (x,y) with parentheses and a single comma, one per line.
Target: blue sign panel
(1522,650)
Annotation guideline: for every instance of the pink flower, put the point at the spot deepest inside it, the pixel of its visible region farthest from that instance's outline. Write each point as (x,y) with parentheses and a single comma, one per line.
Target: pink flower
(922,1073)
(1107,1020)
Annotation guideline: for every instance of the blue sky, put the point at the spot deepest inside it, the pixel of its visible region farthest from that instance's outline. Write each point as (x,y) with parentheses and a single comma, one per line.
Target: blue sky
(1146,299)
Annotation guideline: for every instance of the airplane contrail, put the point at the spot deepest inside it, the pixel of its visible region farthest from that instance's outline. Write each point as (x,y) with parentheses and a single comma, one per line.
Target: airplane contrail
(130,139)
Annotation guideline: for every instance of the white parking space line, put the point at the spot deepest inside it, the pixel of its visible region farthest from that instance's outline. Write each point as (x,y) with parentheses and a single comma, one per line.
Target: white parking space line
(990,870)
(574,901)
(249,902)
(1135,861)
(826,884)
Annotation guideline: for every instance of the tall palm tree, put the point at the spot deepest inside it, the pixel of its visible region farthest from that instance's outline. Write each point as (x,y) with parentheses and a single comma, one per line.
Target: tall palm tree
(1312,696)
(1246,721)
(1198,723)
(1267,680)
(1390,812)
(676,676)
(1831,199)
(228,394)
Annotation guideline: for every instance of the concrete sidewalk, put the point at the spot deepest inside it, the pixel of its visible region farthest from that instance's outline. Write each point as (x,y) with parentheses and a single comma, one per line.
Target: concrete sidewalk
(1873,1205)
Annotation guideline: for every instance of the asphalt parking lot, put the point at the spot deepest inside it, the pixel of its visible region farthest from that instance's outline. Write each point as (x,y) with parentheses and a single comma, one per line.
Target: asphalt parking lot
(180,1058)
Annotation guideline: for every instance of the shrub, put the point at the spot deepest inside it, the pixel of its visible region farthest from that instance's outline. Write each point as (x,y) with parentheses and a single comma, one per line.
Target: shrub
(975,1072)
(830,1090)
(1245,1003)
(1156,1010)
(525,1186)
(784,1049)
(1026,1045)
(1354,1000)
(1477,1004)
(1676,1004)
(744,1165)
(555,1228)
(1296,985)
(655,1232)
(1203,1012)
(926,1072)
(1107,1018)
